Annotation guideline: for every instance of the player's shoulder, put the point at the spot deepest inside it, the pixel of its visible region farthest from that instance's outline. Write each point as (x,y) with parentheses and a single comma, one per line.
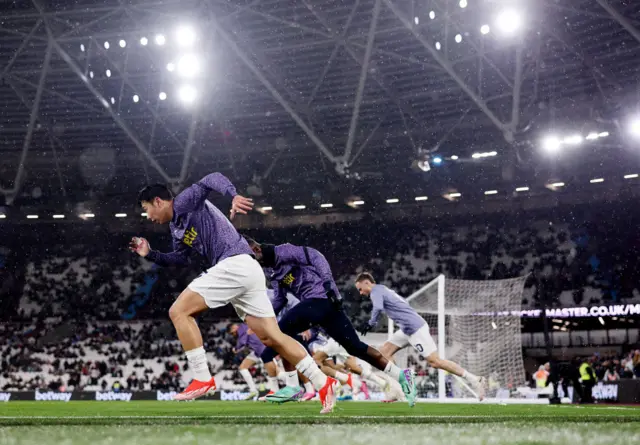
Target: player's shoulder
(379,289)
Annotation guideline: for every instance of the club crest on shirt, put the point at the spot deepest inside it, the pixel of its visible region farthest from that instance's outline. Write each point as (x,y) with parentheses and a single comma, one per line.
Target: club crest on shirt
(190,236)
(288,280)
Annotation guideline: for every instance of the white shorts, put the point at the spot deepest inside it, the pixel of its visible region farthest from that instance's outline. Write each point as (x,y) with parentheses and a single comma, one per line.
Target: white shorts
(253,357)
(330,347)
(421,341)
(238,280)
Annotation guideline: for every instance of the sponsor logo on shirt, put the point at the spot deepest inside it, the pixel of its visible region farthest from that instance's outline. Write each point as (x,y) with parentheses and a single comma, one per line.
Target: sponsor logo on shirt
(50,395)
(287,280)
(165,396)
(190,236)
(110,396)
(5,396)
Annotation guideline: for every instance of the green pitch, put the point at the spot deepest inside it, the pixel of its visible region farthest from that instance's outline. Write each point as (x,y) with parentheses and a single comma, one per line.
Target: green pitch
(247,423)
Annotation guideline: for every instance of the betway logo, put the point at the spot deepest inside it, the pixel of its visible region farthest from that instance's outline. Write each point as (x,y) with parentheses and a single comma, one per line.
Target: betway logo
(165,396)
(233,395)
(111,396)
(603,391)
(50,395)
(5,396)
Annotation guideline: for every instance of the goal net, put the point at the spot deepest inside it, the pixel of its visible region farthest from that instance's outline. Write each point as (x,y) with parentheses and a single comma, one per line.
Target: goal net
(477,325)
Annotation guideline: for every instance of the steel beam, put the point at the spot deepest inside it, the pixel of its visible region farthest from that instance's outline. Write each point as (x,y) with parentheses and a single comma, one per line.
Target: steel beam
(362,81)
(277,96)
(517,93)
(622,20)
(448,68)
(17,183)
(21,48)
(365,143)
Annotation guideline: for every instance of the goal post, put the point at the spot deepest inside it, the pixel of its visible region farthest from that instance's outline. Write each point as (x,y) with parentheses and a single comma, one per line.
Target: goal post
(477,325)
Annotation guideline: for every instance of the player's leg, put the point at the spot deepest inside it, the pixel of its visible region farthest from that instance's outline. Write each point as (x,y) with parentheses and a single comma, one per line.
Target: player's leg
(339,327)
(272,379)
(182,313)
(366,372)
(422,342)
(245,372)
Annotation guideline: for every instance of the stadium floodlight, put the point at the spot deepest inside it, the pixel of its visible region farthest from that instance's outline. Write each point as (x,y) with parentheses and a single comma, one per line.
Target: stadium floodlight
(432,15)
(574,139)
(121,215)
(91,74)
(357,203)
(421,198)
(144,41)
(108,73)
(87,215)
(265,209)
(509,21)
(454,158)
(188,65)
(58,216)
(437,160)
(82,47)
(122,43)
(416,20)
(491,192)
(484,155)
(603,134)
(162,95)
(171,67)
(160,40)
(106,45)
(393,201)
(455,195)
(551,144)
(596,180)
(634,127)
(631,176)
(458,38)
(327,205)
(187,94)
(485,29)
(113,101)
(136,98)
(601,320)
(556,185)
(592,136)
(463,4)
(32,216)
(299,207)
(438,46)
(185,35)
(522,189)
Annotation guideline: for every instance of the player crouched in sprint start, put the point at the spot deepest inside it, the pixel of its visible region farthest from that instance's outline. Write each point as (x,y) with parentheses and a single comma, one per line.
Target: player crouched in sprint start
(305,273)
(413,331)
(234,277)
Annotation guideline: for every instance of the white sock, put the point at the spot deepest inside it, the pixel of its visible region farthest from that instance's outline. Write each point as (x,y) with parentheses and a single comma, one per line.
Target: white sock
(393,370)
(470,377)
(272,384)
(308,387)
(310,370)
(282,376)
(197,359)
(246,375)
(377,380)
(291,379)
(342,377)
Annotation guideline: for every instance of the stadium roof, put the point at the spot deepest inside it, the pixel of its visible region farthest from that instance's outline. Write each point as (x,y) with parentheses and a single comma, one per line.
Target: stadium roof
(305,102)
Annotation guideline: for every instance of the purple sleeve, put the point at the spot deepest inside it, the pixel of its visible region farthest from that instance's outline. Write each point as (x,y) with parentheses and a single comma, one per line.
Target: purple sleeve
(279,300)
(377,298)
(290,254)
(242,341)
(179,256)
(194,196)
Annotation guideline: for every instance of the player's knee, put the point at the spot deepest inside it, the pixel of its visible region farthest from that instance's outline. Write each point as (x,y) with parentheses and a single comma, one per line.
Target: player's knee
(175,313)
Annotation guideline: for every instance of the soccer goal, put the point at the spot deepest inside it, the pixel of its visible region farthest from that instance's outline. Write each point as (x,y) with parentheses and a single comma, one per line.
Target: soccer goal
(477,325)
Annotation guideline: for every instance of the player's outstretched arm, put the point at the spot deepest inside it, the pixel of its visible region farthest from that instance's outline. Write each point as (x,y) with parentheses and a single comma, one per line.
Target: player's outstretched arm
(179,257)
(194,196)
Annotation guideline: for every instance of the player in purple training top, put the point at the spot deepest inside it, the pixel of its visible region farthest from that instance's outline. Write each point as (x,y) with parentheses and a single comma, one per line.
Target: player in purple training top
(413,331)
(234,277)
(305,273)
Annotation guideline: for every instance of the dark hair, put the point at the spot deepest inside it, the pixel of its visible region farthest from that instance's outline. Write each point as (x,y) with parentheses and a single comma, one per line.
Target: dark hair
(153,191)
(251,241)
(365,276)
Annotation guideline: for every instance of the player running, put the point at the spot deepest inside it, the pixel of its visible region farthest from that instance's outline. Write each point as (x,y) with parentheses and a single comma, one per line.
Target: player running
(234,277)
(413,331)
(306,274)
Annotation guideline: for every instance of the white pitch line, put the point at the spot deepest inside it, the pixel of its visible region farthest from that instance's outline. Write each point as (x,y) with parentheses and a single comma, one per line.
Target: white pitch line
(286,417)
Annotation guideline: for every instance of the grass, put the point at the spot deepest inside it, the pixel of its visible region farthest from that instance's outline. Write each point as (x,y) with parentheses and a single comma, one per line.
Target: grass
(246,423)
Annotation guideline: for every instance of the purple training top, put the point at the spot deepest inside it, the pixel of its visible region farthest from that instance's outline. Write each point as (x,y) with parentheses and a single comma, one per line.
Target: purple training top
(246,340)
(301,271)
(397,309)
(200,225)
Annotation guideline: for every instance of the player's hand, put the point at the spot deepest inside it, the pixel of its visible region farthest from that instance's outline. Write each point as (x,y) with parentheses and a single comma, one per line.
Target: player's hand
(364,329)
(241,205)
(306,335)
(140,246)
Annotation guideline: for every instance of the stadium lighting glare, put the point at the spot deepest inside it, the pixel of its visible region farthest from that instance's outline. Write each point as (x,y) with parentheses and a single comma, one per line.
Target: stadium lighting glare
(187,94)
(574,139)
(421,198)
(171,67)
(491,192)
(485,29)
(2,216)
(121,215)
(592,136)
(634,127)
(122,43)
(144,41)
(185,35)
(604,134)
(299,207)
(551,144)
(162,95)
(106,45)
(484,155)
(556,184)
(32,216)
(454,158)
(463,4)
(455,195)
(432,15)
(265,209)
(601,320)
(188,65)
(458,38)
(87,215)
(509,21)
(108,73)
(631,176)
(438,46)
(416,20)
(357,203)
(113,101)
(393,201)
(58,216)
(596,180)
(136,98)
(82,47)
(522,189)
(91,74)
(437,160)
(144,214)
(326,206)
(160,40)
